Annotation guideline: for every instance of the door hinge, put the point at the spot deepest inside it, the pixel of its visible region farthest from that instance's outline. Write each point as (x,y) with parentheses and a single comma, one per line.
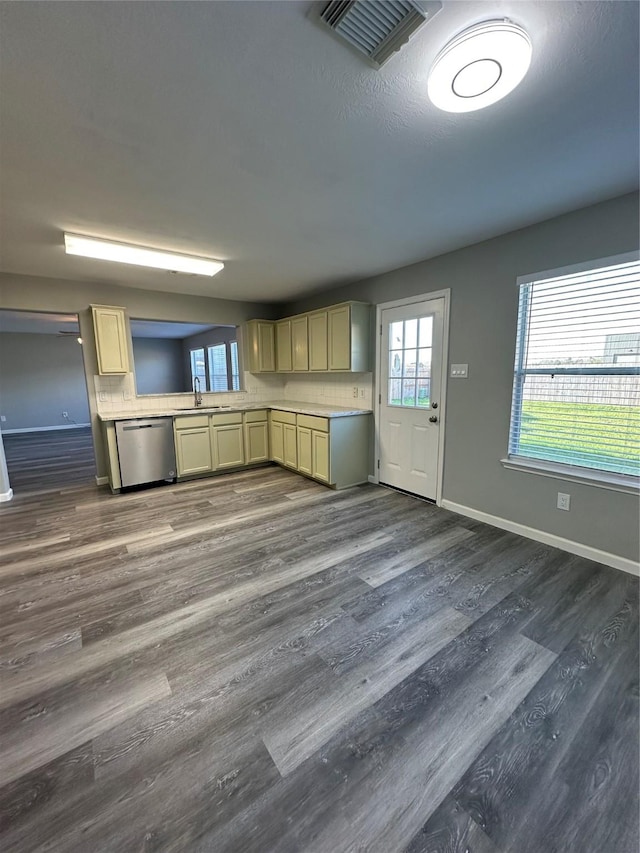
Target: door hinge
(378,463)
(379,399)
(380,329)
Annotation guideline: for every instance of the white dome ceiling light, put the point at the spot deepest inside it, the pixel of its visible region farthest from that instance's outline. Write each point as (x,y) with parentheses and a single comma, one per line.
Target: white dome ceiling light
(479,66)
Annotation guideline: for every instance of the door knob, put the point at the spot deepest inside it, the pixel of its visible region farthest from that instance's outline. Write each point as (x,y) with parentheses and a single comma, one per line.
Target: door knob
(433,419)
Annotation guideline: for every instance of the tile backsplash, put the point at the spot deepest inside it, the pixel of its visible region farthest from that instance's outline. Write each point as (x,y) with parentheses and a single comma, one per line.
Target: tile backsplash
(118,393)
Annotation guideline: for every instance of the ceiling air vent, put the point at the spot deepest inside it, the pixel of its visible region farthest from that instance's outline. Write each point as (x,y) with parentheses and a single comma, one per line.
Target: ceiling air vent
(376,28)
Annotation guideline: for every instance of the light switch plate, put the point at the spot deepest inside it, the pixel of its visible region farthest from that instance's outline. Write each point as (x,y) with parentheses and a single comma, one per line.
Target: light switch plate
(459,371)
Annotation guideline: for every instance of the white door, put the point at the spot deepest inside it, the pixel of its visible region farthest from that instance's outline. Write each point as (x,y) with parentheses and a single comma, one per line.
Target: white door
(411,375)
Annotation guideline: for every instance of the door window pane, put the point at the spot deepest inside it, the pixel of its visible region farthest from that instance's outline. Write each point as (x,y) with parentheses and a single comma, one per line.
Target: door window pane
(410,367)
(426,331)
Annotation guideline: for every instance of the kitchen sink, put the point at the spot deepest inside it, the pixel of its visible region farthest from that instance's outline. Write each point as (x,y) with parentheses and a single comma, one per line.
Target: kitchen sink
(199,408)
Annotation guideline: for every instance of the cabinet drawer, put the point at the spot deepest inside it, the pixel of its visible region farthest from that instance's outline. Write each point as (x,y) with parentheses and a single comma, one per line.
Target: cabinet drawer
(191,421)
(283,417)
(253,417)
(312,422)
(226,418)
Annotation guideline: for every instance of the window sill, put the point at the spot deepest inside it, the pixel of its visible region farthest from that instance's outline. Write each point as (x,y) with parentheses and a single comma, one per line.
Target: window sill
(601,479)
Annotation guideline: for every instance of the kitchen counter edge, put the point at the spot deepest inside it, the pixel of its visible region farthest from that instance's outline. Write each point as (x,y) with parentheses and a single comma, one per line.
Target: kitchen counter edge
(316,410)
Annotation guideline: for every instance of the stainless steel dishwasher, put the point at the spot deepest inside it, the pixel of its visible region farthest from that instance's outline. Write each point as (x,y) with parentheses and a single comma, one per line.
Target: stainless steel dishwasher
(146,450)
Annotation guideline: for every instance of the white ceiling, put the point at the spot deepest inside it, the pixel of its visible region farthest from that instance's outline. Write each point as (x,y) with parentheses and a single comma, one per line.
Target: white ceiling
(243,131)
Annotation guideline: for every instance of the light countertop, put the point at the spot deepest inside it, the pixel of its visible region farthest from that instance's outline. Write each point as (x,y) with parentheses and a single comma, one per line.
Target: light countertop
(299,408)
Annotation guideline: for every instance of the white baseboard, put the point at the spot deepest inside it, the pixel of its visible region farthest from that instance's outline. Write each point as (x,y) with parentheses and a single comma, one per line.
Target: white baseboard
(45,429)
(6,496)
(101,481)
(569,545)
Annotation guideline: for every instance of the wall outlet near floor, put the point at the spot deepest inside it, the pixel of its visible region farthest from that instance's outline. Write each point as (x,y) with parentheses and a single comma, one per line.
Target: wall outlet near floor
(65,414)
(3,419)
(564,501)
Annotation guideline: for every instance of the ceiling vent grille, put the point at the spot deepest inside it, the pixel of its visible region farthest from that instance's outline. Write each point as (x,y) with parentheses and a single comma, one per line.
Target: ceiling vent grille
(376,28)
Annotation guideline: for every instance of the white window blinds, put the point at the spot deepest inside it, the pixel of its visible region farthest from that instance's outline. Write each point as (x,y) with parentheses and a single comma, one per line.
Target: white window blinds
(576,390)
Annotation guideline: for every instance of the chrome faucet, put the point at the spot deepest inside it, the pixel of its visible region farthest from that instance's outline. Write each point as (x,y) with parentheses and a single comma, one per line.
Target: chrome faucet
(197,393)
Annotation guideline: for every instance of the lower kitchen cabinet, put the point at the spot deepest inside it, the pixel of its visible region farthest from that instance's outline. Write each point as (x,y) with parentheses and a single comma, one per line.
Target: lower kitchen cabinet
(304,451)
(228,446)
(193,444)
(320,456)
(334,451)
(277,441)
(193,451)
(290,445)
(256,440)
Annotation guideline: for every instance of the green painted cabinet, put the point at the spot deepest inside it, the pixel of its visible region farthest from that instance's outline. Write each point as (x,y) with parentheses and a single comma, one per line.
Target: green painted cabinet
(112,347)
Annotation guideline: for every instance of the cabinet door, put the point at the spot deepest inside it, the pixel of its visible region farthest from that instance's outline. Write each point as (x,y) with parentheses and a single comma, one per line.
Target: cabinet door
(256,442)
(277,442)
(111,339)
(318,341)
(339,336)
(267,358)
(300,343)
(228,446)
(260,346)
(290,445)
(193,451)
(320,456)
(304,450)
(283,346)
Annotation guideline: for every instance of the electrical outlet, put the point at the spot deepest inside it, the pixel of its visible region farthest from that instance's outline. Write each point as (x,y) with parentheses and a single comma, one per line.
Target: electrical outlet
(65,414)
(564,501)
(3,419)
(355,391)
(126,395)
(103,397)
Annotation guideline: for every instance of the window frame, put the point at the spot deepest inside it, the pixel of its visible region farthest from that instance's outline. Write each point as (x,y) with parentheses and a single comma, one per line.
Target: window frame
(590,476)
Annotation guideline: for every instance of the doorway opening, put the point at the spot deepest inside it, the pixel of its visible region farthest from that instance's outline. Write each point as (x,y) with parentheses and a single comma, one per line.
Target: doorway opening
(44,403)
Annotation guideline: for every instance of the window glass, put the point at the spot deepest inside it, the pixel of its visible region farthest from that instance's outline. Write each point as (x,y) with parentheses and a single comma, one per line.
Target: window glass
(410,366)
(576,380)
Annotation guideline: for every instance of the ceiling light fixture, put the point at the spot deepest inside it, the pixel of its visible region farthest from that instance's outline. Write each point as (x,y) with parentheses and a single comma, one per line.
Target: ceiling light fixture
(479,66)
(107,250)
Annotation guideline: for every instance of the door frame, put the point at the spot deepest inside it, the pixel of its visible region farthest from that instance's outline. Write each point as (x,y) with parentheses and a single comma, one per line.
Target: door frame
(399,303)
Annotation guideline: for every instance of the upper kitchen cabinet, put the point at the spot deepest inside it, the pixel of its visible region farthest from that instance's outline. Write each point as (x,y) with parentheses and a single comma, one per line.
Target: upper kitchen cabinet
(260,346)
(300,343)
(348,336)
(112,345)
(336,338)
(284,350)
(318,355)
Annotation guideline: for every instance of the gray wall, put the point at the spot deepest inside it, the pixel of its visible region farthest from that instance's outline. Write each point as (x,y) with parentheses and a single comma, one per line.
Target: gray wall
(159,367)
(33,293)
(482,279)
(40,377)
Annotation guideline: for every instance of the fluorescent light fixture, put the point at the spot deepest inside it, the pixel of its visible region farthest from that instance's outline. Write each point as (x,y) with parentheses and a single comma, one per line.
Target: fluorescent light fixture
(479,66)
(107,250)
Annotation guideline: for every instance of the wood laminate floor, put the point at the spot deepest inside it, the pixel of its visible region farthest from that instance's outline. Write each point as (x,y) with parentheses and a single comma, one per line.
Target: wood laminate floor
(50,459)
(256,663)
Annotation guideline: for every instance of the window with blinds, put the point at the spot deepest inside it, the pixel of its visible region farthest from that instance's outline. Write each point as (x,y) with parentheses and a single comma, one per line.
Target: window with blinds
(576,389)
